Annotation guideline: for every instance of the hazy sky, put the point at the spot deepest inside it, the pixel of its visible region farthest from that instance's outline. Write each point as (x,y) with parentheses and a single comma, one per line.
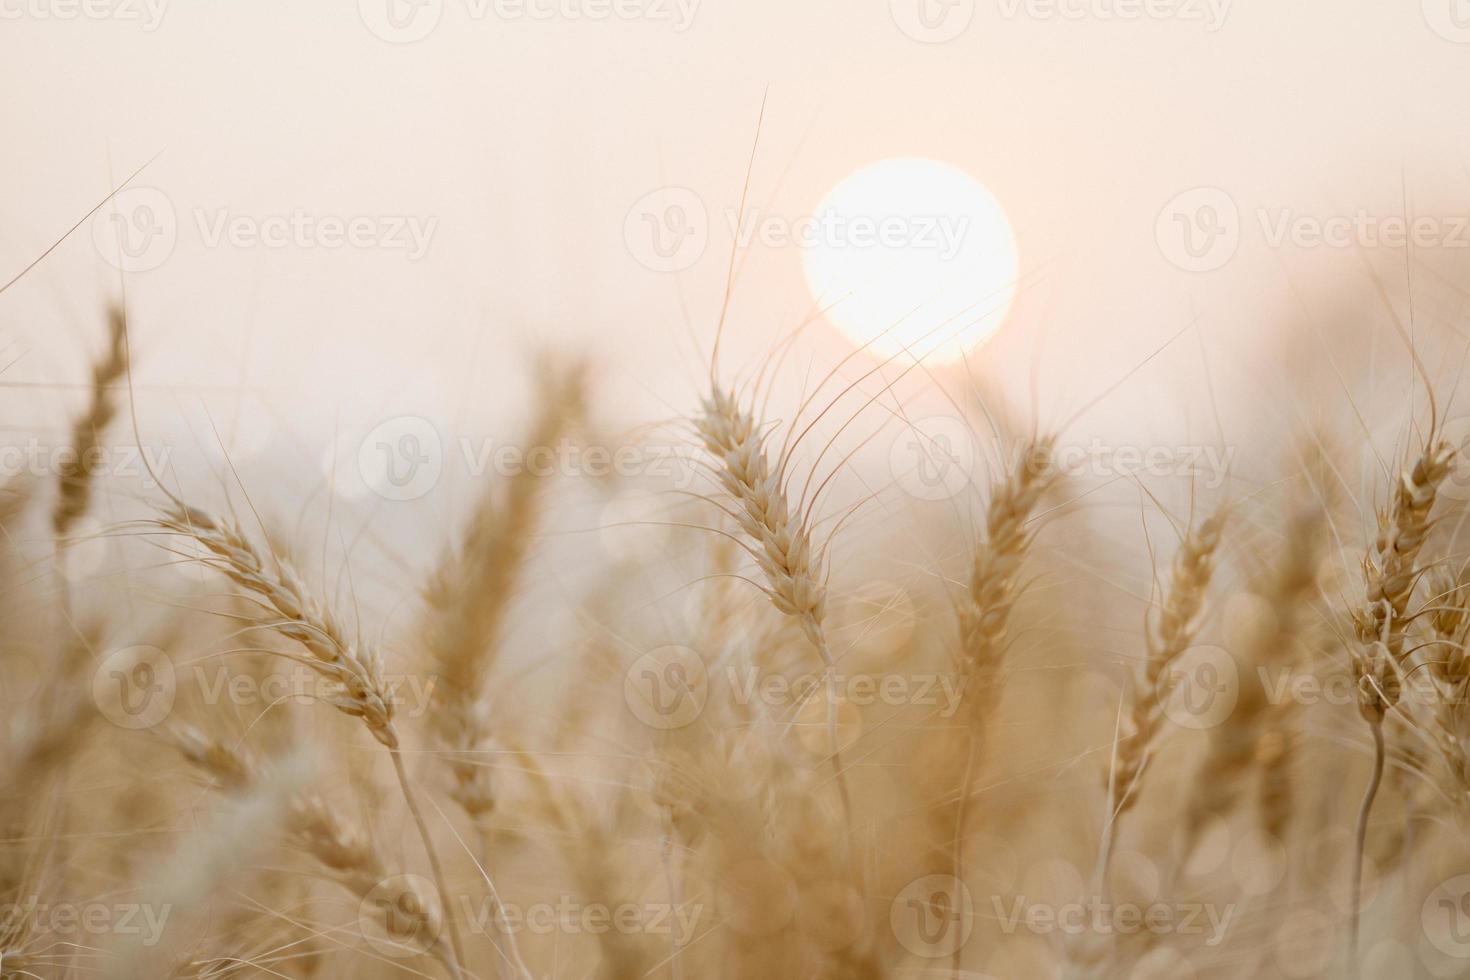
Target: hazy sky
(360,208)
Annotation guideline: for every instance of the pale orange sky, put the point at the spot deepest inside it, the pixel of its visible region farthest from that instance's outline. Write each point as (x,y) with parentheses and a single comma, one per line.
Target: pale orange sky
(522,142)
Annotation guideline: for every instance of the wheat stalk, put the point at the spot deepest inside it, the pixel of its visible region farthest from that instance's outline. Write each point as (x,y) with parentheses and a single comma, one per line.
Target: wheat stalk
(985,612)
(311,823)
(1255,732)
(78,467)
(468,597)
(1390,574)
(793,567)
(1168,633)
(352,671)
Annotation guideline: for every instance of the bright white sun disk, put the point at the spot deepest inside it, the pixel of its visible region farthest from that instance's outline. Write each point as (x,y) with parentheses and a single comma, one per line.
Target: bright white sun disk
(912,255)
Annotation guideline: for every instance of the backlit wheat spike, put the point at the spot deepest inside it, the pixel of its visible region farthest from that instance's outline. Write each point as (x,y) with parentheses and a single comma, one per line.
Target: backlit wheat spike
(995,573)
(1170,631)
(1390,574)
(1257,729)
(78,467)
(470,593)
(792,567)
(351,669)
(985,612)
(1390,569)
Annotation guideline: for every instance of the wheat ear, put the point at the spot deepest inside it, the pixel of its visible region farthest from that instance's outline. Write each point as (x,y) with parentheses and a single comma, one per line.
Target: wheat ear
(315,827)
(77,468)
(1256,729)
(1169,631)
(468,597)
(1390,573)
(352,670)
(985,612)
(793,567)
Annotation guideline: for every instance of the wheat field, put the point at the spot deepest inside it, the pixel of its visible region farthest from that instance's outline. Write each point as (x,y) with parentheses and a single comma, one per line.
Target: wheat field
(1016,707)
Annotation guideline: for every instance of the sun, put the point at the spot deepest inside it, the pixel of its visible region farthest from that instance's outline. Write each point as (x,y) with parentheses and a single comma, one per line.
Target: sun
(912,256)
